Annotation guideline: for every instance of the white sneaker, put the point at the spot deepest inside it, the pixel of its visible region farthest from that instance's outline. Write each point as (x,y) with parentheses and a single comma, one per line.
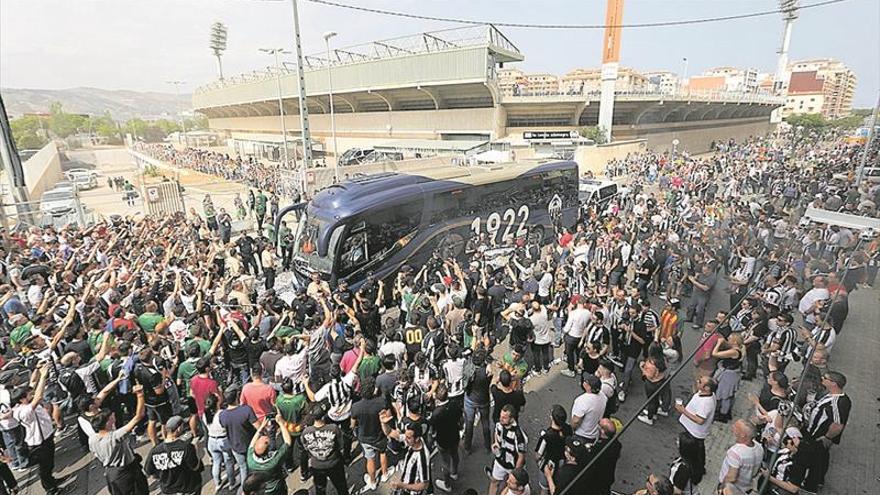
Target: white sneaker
(645,419)
(621,396)
(442,486)
(454,477)
(369,486)
(567,373)
(663,412)
(388,475)
(556,361)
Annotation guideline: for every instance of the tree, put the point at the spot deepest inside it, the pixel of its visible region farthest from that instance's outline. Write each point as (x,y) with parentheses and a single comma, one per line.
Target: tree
(595,133)
(106,127)
(63,124)
(28,132)
(809,121)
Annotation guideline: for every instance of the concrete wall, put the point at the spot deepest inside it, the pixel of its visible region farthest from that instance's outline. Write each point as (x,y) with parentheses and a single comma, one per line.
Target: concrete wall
(594,158)
(695,137)
(99,157)
(360,129)
(42,171)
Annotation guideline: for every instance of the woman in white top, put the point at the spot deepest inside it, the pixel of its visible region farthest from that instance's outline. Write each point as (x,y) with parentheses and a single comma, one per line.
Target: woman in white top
(218,444)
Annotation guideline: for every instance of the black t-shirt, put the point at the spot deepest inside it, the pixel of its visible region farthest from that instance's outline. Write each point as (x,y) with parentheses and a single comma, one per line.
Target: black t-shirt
(176,465)
(366,413)
(254,351)
(370,323)
(520,330)
(551,446)
(516,398)
(235,348)
(634,348)
(303,307)
(445,422)
(483,308)
(648,265)
(564,475)
(497,296)
(478,389)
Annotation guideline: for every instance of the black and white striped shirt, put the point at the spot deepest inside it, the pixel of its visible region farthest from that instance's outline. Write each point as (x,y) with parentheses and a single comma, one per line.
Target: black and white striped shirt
(832,408)
(651,320)
(598,334)
(786,337)
(338,394)
(511,442)
(417,469)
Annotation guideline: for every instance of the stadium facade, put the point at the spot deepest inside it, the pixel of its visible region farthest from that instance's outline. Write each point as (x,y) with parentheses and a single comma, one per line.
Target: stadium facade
(443,86)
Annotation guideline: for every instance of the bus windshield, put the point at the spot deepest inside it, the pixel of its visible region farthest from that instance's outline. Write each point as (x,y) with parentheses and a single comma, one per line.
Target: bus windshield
(306,231)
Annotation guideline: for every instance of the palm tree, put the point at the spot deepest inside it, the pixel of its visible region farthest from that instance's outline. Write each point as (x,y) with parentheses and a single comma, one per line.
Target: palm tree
(218,44)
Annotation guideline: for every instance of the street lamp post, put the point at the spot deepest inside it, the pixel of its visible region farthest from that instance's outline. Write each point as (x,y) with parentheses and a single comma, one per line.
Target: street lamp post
(177,85)
(684,72)
(276,52)
(327,36)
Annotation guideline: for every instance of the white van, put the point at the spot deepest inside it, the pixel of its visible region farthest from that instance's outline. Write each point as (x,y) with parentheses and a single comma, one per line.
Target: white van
(599,192)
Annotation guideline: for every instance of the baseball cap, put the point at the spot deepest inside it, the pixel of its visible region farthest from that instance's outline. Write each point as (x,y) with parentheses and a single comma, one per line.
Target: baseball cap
(793,432)
(174,423)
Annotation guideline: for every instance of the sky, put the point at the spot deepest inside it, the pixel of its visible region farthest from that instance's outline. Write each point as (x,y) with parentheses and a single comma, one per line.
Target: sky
(140,45)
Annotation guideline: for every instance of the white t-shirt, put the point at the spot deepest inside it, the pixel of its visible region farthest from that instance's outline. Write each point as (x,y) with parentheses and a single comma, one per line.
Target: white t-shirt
(745,457)
(704,407)
(590,408)
(36,422)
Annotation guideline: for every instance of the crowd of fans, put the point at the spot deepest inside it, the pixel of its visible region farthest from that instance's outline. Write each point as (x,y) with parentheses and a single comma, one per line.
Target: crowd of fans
(248,170)
(156,330)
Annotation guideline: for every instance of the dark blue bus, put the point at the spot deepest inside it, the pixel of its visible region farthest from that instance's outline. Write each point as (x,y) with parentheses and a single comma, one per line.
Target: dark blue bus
(371,226)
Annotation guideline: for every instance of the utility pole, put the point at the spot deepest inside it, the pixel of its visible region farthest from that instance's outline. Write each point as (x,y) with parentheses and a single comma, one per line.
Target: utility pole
(610,63)
(12,166)
(303,106)
(276,52)
(327,36)
(860,174)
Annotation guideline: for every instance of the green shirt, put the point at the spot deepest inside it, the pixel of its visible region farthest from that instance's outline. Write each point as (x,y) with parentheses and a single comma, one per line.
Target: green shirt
(285,331)
(148,321)
(96,339)
(521,367)
(369,367)
(274,465)
(20,333)
(185,372)
(290,408)
(284,234)
(204,345)
(261,203)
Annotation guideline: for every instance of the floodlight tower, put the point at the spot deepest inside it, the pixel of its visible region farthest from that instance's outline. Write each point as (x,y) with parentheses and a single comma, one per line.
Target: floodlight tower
(610,63)
(789,10)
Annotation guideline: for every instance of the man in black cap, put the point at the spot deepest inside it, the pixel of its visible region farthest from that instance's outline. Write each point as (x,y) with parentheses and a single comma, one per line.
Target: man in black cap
(174,462)
(575,456)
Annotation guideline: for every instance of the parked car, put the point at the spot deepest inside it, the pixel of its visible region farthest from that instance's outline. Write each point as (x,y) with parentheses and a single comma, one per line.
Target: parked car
(382,156)
(872,174)
(354,156)
(57,202)
(82,178)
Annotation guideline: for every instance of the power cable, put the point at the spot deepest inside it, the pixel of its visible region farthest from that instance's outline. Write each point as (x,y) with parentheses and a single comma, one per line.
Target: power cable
(408,15)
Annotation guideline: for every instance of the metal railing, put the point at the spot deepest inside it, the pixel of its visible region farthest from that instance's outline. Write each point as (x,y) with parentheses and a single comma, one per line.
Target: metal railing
(416,44)
(708,96)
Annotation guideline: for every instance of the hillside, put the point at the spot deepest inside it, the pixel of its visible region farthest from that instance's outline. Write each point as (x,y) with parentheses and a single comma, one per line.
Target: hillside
(121,104)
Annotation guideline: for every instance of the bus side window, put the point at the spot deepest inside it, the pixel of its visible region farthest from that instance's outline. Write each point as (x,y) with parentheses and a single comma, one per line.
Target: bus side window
(607,192)
(377,233)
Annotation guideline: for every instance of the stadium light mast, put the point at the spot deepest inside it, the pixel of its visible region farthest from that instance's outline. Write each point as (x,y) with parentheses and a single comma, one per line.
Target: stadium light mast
(217,44)
(789,10)
(276,52)
(306,133)
(610,63)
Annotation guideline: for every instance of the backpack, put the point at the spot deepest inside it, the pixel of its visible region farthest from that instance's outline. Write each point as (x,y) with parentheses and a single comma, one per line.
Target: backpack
(71,382)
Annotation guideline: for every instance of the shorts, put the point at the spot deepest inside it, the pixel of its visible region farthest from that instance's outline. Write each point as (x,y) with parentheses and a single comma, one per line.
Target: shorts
(370,451)
(55,394)
(160,413)
(542,479)
(499,472)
